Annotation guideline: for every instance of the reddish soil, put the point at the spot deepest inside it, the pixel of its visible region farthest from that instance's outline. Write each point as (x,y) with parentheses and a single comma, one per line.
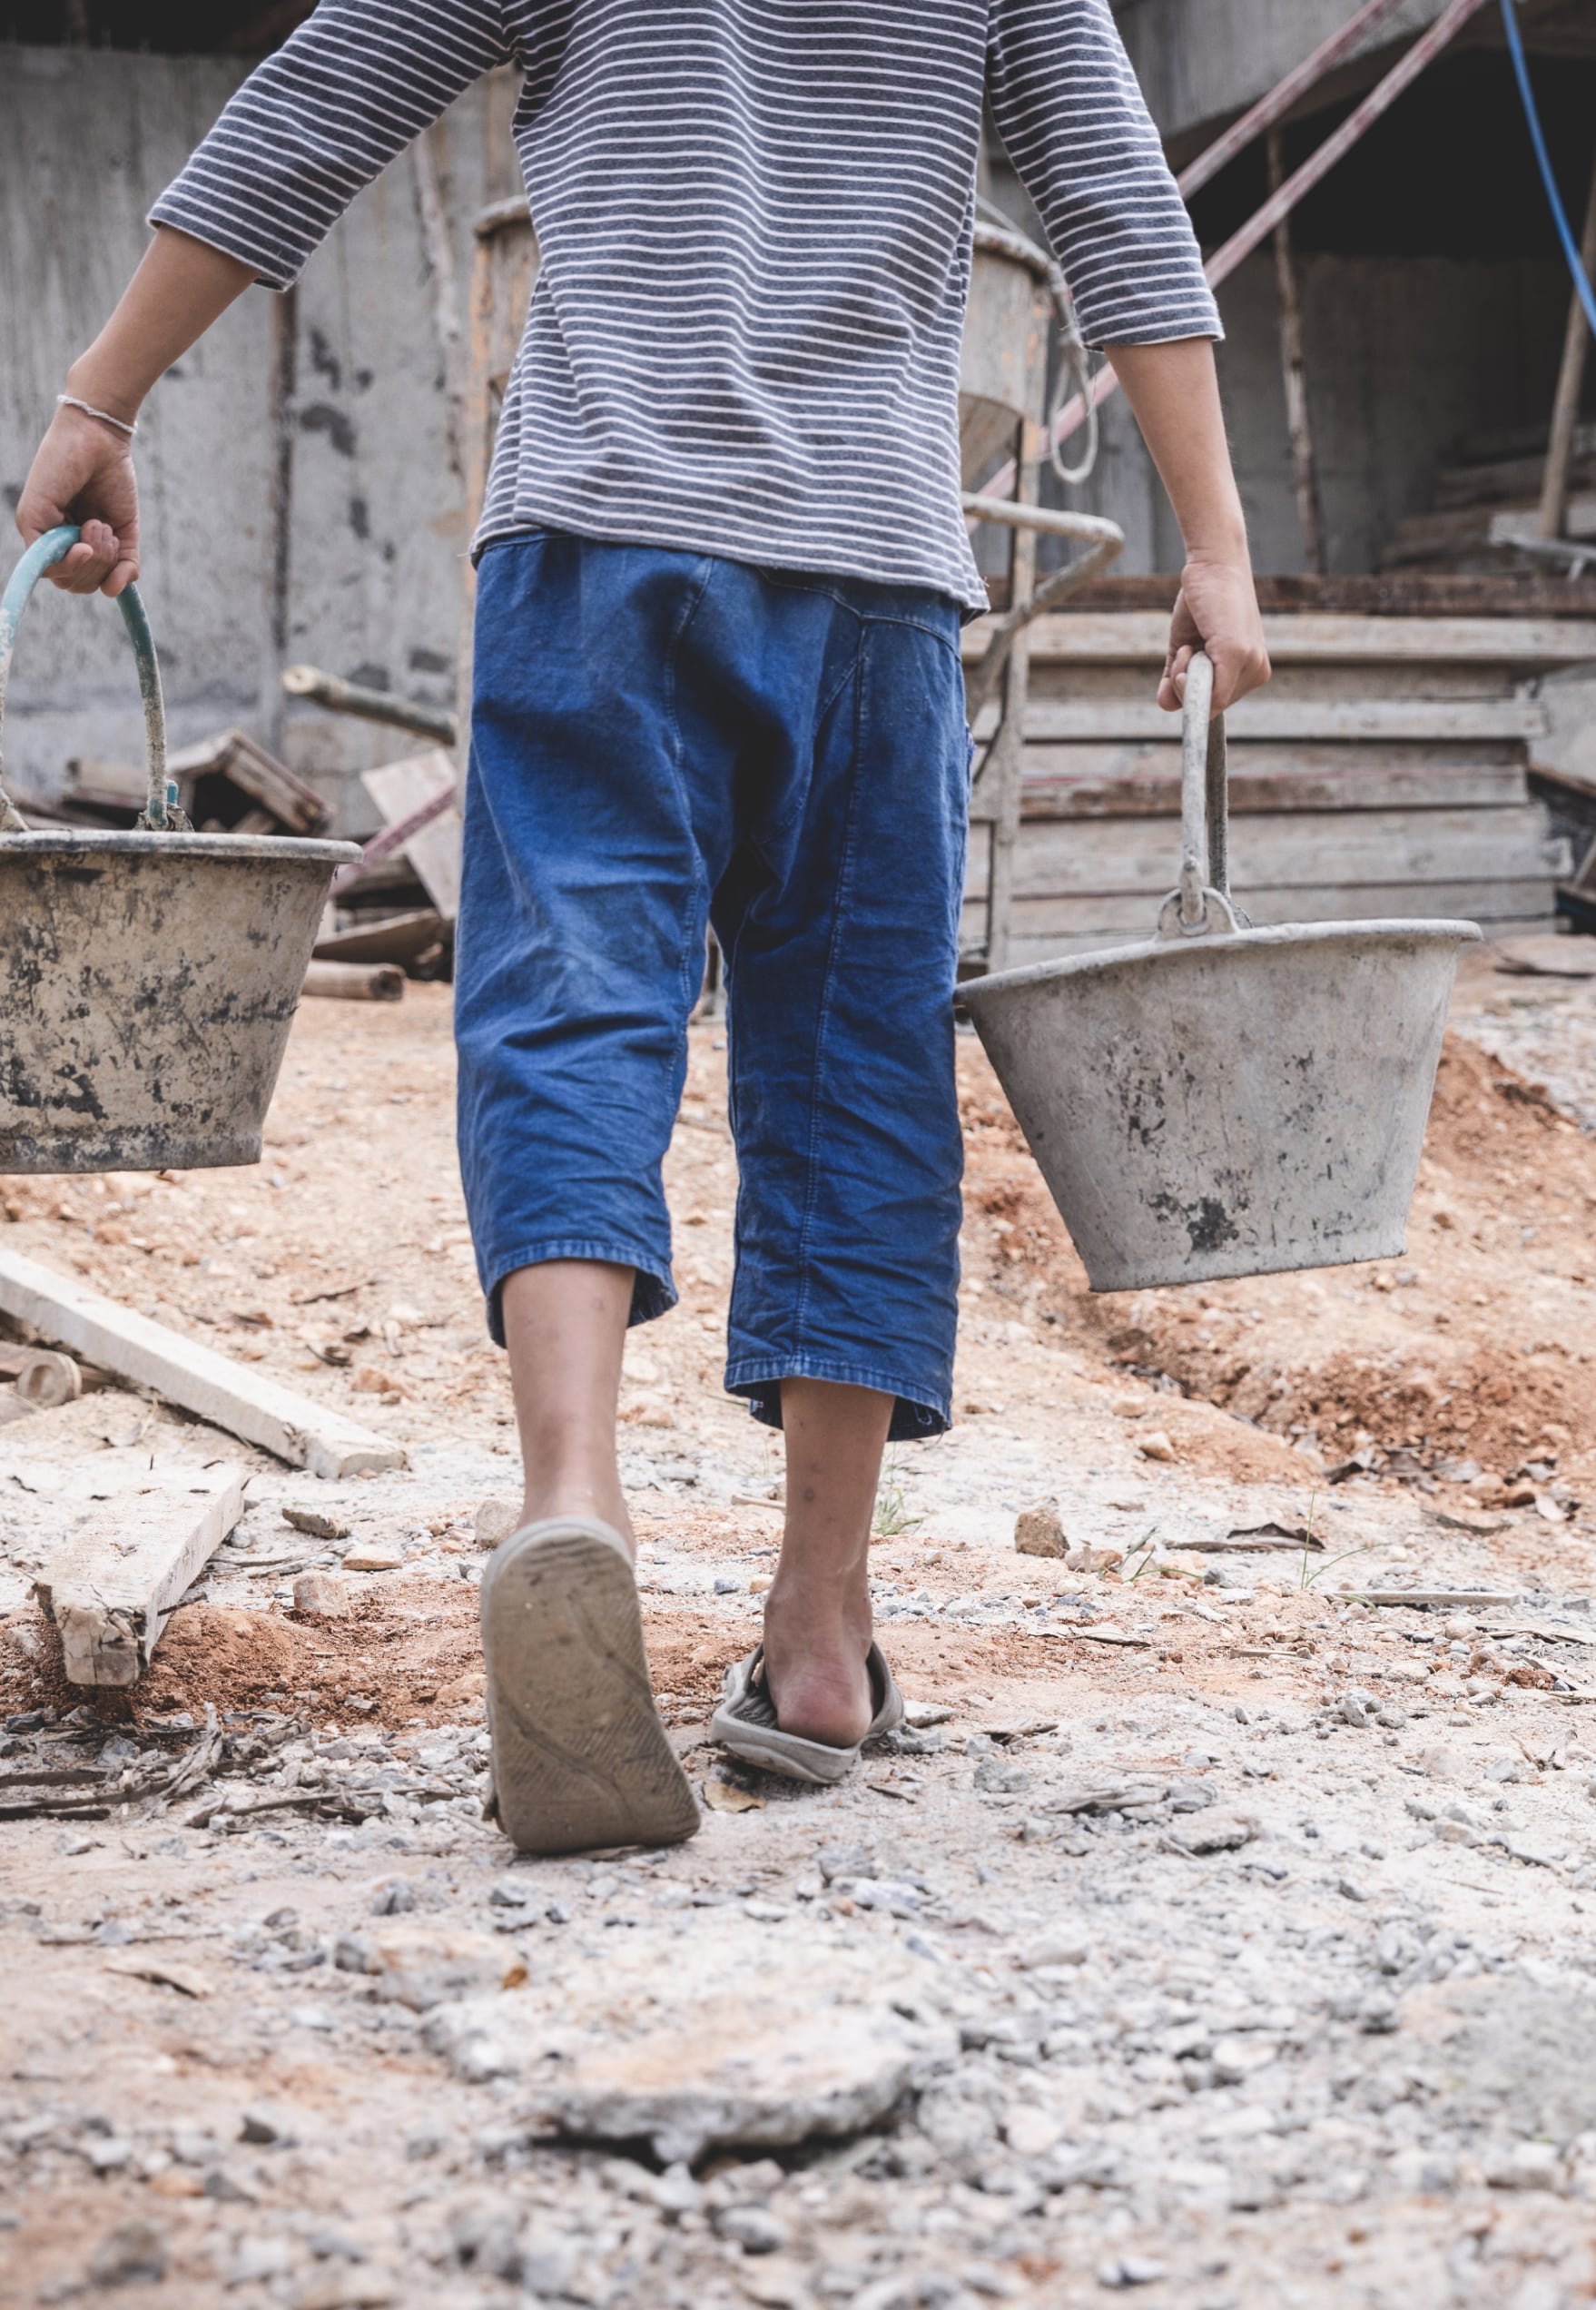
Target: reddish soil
(1478,1346)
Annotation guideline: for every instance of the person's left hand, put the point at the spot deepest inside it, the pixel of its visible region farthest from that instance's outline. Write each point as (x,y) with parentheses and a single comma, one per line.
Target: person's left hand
(1217,610)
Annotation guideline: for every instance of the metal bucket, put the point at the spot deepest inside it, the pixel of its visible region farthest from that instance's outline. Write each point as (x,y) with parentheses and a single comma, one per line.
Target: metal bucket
(150,978)
(1223,1101)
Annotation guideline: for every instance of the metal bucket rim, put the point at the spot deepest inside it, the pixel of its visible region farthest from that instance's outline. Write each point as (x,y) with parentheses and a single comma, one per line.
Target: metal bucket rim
(127,842)
(1426,931)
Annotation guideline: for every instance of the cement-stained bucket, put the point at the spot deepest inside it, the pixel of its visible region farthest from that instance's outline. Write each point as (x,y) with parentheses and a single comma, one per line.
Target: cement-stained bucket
(1222,1100)
(148,980)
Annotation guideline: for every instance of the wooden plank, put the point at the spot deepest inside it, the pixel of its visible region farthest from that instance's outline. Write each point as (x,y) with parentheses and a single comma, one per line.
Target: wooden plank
(398,788)
(1359,682)
(1087,681)
(1579,520)
(212,1386)
(245,765)
(111,1588)
(1365,721)
(1141,636)
(355,982)
(1288,850)
(388,938)
(1109,782)
(1132,914)
(1026,947)
(1502,593)
(1458,486)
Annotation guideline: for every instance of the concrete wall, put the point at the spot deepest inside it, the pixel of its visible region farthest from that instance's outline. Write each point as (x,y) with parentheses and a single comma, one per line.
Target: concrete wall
(1404,356)
(1202,61)
(376,527)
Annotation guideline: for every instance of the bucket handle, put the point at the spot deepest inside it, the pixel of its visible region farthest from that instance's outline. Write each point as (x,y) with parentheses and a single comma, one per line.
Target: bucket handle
(1202,900)
(161,814)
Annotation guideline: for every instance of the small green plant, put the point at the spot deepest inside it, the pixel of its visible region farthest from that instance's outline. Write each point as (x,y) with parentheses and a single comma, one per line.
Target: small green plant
(892,1514)
(1370,1548)
(1308,1539)
(1146,1544)
(1318,1571)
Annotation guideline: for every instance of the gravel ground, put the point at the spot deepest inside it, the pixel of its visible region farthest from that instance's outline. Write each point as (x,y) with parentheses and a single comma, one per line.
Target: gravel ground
(1211,1933)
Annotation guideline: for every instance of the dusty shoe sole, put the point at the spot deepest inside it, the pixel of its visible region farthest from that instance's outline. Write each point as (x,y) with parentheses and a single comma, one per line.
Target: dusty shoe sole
(580,1757)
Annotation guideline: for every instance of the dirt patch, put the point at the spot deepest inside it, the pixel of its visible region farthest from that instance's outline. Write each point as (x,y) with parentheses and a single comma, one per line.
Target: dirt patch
(1471,1361)
(386,1663)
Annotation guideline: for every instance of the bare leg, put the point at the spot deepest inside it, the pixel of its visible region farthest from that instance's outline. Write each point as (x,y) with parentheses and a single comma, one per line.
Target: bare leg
(565,1325)
(817,1623)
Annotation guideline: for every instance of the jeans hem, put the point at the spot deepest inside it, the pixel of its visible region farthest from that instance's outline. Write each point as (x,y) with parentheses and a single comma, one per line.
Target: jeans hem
(653,1290)
(918,1412)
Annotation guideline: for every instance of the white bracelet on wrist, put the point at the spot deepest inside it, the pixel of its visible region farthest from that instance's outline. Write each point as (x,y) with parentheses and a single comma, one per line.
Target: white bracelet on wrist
(71,401)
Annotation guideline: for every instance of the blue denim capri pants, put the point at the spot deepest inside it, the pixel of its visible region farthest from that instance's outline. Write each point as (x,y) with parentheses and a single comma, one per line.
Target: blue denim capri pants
(662,738)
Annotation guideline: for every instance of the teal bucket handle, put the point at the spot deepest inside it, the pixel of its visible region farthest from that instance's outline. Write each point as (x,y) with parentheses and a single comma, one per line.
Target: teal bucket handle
(161,814)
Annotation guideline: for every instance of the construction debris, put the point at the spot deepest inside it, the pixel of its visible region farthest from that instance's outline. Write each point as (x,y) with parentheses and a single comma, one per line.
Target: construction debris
(331,690)
(420,794)
(147,1354)
(226,784)
(356,981)
(112,1589)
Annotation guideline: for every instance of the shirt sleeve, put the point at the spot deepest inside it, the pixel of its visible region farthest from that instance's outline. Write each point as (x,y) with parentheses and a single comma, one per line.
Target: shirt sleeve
(354,85)
(1077,130)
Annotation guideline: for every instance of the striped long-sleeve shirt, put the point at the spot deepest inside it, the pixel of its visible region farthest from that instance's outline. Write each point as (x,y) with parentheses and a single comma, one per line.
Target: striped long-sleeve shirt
(754,221)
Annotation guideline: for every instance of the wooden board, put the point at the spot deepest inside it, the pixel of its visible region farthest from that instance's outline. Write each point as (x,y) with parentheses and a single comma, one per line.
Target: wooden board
(398,788)
(112,1587)
(231,758)
(1511,479)
(149,1355)
(1501,595)
(1055,947)
(1081,681)
(390,938)
(1131,914)
(1111,781)
(1141,636)
(1418,535)
(1362,721)
(1286,851)
(238,759)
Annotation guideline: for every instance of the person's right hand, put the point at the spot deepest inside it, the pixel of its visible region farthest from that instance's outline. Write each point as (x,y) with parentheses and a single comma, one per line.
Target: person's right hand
(83,473)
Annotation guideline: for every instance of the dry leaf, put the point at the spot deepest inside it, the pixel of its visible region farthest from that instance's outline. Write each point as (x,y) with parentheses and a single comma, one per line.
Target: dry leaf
(723,1796)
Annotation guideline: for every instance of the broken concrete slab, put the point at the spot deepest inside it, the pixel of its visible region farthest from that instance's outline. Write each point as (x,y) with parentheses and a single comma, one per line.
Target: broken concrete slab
(735,2077)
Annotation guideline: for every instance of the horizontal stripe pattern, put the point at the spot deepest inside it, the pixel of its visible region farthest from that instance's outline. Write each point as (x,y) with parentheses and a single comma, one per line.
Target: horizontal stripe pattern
(755,224)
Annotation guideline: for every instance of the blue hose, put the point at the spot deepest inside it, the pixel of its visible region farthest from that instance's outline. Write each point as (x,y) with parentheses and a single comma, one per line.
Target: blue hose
(1571,247)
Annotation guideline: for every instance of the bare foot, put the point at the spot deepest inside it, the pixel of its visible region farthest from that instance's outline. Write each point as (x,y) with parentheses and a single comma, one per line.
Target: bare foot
(814,1666)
